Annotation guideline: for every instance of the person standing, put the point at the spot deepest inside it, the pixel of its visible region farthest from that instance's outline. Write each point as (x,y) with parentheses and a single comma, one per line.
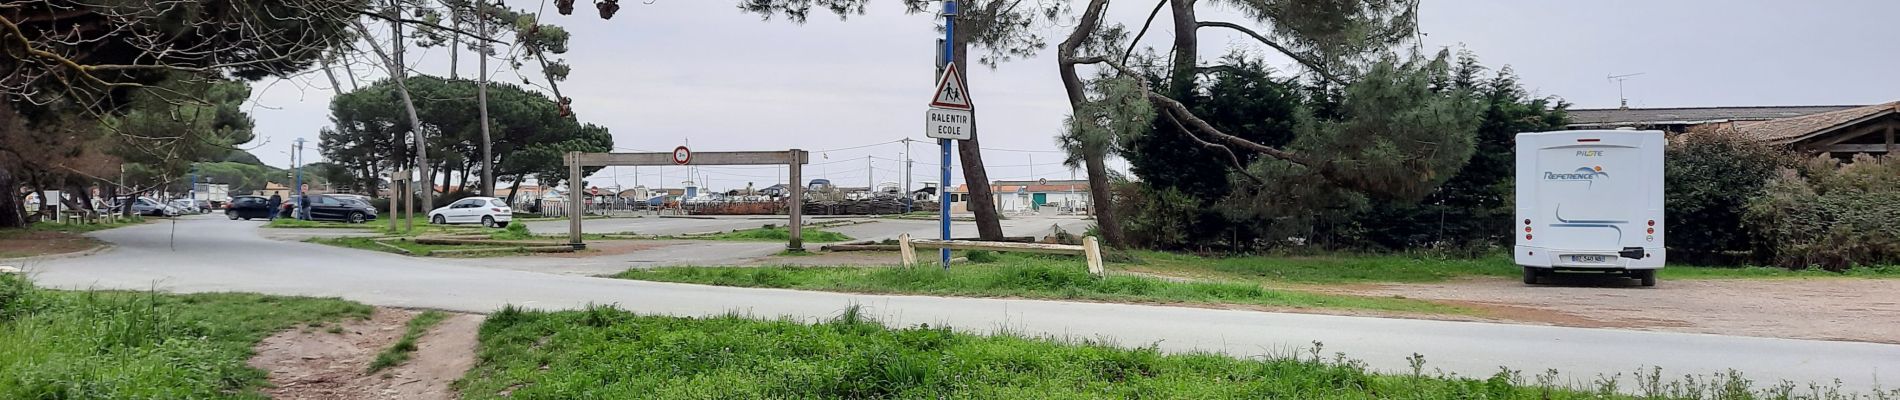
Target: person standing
(276,205)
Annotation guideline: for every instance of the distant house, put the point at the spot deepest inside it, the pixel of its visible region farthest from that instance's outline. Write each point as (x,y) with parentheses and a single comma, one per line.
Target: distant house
(1838,130)
(1014,196)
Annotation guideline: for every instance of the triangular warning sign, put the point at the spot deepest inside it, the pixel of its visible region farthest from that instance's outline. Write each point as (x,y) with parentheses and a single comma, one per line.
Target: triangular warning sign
(951,92)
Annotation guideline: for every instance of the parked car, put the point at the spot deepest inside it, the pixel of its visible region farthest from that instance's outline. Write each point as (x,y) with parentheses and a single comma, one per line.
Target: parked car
(488,211)
(191,206)
(147,206)
(248,207)
(324,207)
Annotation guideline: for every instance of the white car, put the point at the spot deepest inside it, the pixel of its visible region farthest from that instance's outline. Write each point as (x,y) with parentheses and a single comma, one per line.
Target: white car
(488,211)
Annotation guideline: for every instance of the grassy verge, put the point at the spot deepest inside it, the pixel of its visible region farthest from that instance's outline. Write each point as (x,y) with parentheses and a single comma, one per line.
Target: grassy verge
(399,352)
(46,238)
(1359,268)
(416,249)
(127,345)
(776,234)
(46,227)
(1043,277)
(302,224)
(607,353)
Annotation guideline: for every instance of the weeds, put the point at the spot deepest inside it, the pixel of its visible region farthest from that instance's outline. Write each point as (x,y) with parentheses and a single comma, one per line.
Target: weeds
(776,234)
(602,352)
(1047,277)
(130,345)
(399,352)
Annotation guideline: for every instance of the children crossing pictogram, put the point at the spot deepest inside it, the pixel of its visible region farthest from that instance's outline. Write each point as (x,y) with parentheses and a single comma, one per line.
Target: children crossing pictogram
(951,92)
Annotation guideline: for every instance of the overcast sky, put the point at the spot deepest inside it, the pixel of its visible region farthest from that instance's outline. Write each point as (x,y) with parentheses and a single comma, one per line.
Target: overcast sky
(663,74)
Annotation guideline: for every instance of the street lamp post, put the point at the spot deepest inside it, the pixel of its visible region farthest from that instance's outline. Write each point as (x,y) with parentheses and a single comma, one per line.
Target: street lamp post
(296,162)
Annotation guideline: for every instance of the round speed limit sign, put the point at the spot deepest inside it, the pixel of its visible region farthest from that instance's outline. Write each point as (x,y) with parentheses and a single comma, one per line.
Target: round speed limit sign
(682,156)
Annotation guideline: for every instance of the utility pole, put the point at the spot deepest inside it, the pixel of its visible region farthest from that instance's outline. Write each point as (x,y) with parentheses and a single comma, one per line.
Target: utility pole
(870,175)
(907,165)
(481,93)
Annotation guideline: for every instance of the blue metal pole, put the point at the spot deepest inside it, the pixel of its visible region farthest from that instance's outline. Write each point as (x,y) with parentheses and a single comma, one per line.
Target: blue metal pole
(943,187)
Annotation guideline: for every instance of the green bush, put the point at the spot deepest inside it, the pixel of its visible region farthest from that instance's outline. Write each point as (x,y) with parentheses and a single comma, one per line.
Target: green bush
(1829,215)
(1710,176)
(1156,218)
(15,296)
(980,256)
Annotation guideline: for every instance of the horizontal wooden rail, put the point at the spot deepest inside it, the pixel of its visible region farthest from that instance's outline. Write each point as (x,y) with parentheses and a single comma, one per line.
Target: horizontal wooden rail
(1089,248)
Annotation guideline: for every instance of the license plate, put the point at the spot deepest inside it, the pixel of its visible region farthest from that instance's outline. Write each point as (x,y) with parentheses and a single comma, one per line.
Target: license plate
(1589,258)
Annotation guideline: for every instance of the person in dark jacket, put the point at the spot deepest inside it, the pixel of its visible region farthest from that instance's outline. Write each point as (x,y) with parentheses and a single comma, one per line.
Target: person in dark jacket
(276,203)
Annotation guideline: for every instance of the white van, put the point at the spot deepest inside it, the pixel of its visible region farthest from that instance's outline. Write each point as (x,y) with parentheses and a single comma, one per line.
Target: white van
(1590,201)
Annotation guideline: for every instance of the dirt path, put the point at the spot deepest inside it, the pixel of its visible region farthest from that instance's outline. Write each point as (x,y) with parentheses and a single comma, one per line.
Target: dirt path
(41,243)
(331,361)
(1848,309)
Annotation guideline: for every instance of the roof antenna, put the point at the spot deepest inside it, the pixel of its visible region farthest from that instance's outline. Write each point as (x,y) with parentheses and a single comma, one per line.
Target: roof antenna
(1624,100)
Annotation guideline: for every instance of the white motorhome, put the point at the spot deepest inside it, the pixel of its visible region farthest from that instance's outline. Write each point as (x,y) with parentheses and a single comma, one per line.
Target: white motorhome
(1590,201)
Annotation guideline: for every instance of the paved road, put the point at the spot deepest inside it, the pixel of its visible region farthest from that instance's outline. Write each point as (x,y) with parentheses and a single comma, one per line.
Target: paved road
(218,255)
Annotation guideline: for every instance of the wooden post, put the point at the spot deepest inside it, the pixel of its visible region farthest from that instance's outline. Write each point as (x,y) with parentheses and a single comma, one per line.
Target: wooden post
(904,250)
(408,203)
(796,202)
(574,188)
(1093,250)
(1891,149)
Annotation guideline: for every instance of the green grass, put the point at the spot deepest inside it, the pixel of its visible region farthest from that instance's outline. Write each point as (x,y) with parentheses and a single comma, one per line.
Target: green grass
(302,224)
(399,352)
(1361,268)
(777,234)
(1043,277)
(71,228)
(131,345)
(606,353)
(416,249)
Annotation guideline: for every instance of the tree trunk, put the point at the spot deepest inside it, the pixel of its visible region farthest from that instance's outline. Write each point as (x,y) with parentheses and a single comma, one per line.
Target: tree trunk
(12,210)
(515,189)
(1100,198)
(1186,49)
(969,152)
(481,93)
(396,69)
(455,43)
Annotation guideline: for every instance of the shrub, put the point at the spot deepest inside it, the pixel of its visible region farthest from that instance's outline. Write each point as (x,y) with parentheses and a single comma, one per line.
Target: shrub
(1709,177)
(980,256)
(1828,215)
(15,295)
(1156,218)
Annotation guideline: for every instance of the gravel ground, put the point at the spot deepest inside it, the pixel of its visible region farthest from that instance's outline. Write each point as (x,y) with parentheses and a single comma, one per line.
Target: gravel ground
(1846,309)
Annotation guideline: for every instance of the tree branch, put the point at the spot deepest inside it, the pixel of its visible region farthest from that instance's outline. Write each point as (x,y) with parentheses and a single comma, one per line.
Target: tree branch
(1144,29)
(1231,157)
(1182,111)
(1310,63)
(373,14)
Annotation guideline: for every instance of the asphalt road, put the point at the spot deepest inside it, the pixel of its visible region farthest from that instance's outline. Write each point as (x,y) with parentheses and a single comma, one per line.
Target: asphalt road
(209,255)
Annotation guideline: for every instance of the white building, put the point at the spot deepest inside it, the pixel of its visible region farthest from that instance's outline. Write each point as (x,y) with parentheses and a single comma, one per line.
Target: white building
(1024,196)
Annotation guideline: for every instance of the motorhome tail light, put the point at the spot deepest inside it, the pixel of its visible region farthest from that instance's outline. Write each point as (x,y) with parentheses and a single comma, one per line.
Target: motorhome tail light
(1527,236)
(1652,222)
(1527,221)
(1652,231)
(1589,140)
(1527,229)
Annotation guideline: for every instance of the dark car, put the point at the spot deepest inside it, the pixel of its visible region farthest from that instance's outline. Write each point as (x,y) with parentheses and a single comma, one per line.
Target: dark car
(248,207)
(325,207)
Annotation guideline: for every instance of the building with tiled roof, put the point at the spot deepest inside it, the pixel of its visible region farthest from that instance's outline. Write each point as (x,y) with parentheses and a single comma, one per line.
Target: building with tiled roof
(1839,130)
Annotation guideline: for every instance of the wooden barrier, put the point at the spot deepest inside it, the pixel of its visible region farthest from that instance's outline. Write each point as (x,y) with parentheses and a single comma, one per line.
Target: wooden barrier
(1090,249)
